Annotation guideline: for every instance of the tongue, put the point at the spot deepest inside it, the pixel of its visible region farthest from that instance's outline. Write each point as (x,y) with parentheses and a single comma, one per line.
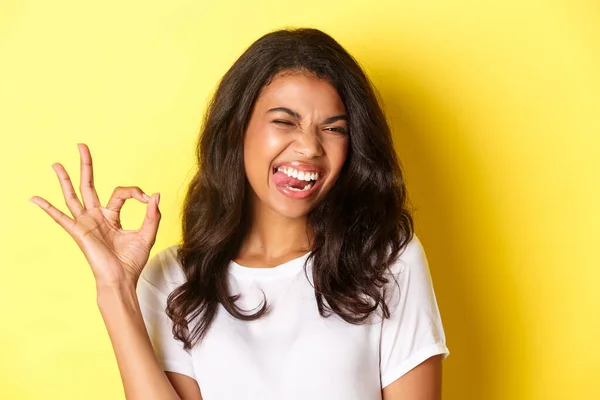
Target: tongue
(282,179)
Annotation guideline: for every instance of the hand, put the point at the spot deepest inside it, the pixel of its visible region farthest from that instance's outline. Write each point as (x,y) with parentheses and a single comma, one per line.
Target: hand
(116,256)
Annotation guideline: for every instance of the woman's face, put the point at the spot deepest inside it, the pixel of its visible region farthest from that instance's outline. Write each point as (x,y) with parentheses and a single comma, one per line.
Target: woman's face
(296,143)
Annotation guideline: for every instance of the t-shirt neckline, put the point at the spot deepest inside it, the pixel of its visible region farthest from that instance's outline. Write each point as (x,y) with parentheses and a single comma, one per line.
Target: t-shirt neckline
(293,266)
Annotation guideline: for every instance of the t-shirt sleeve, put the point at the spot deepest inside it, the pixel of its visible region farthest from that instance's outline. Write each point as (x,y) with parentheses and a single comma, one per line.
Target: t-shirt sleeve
(414,331)
(161,275)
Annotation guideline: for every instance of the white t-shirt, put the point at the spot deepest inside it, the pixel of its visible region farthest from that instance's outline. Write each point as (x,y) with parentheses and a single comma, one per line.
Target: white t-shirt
(292,352)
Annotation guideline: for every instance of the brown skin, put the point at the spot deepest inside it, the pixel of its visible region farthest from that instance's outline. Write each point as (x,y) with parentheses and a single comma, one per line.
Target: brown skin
(279,223)
(424,382)
(116,257)
(278,232)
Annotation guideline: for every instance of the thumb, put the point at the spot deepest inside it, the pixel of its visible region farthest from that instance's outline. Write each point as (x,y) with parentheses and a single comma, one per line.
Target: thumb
(151,220)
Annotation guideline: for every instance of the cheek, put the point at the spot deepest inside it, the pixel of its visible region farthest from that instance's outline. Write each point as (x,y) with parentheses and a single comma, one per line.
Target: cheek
(261,146)
(337,151)
(262,139)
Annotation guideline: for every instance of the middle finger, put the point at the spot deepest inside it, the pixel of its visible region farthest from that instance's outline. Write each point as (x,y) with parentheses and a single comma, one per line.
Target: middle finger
(86,187)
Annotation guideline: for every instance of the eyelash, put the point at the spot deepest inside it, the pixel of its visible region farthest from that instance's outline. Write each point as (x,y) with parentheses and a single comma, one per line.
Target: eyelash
(278,121)
(331,128)
(339,130)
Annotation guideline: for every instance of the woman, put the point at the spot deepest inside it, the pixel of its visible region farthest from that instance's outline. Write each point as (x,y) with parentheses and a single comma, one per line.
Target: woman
(299,275)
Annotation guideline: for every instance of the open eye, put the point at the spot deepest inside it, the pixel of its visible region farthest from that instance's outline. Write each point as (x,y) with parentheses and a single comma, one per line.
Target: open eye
(337,129)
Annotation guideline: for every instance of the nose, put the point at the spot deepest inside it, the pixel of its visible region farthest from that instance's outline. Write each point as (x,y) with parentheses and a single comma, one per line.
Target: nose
(308,144)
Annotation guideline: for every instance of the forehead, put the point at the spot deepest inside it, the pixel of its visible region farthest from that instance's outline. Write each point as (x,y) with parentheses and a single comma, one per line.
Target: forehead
(300,90)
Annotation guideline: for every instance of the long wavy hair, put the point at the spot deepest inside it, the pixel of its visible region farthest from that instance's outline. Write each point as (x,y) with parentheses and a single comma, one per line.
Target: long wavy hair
(359,227)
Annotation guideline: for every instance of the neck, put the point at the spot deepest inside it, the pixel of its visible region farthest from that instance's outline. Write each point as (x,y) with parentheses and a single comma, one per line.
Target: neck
(272,236)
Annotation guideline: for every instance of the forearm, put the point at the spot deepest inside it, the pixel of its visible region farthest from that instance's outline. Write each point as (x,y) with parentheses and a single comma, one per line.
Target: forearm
(141,373)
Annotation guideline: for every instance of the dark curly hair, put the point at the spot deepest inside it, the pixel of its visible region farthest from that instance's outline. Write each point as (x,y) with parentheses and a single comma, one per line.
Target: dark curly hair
(360,226)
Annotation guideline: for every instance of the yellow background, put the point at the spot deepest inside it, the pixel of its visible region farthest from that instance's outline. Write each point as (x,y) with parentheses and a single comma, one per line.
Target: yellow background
(496,112)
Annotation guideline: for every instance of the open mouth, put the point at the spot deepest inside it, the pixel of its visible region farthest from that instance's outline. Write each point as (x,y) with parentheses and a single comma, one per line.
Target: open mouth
(294,179)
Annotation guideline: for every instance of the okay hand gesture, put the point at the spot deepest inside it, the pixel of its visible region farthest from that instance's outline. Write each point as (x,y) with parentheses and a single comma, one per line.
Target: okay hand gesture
(116,256)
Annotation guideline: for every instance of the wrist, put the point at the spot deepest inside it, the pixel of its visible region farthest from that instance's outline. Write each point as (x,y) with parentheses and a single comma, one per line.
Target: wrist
(123,283)
(123,293)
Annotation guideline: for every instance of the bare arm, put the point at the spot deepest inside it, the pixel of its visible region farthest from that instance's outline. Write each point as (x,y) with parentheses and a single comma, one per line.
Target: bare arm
(424,382)
(186,387)
(117,257)
(142,376)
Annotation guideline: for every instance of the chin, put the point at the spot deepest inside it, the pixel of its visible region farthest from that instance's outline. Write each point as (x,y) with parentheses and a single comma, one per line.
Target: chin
(292,211)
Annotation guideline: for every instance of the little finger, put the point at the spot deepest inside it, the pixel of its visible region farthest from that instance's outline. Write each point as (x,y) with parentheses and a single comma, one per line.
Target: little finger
(58,216)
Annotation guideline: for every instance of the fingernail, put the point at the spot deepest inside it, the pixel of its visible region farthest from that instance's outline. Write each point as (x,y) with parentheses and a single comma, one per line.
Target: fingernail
(157,198)
(146,197)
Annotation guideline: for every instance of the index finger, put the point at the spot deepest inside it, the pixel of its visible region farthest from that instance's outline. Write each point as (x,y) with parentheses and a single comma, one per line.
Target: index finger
(86,186)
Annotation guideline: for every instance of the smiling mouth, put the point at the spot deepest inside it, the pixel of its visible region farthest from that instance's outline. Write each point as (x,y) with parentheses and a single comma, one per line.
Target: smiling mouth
(295,179)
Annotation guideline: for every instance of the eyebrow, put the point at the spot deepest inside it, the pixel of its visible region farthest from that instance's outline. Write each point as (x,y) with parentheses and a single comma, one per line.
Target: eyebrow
(297,116)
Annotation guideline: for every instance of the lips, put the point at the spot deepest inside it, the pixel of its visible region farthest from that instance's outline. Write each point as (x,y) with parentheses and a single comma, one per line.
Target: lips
(300,166)
(297,180)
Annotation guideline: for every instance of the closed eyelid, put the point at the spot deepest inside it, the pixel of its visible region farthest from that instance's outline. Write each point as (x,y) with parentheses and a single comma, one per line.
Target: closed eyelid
(293,114)
(334,128)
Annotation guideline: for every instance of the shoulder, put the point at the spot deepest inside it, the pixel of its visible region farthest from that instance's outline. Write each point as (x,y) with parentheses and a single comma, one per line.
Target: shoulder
(412,256)
(163,270)
(409,276)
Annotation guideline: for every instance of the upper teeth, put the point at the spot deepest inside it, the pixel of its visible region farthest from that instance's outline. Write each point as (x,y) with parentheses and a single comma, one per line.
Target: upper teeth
(300,175)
